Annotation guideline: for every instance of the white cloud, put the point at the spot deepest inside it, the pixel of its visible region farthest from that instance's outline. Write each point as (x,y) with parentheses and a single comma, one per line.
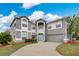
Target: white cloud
(13,13)
(9,18)
(36,15)
(40,14)
(1,15)
(50,17)
(4,28)
(1,25)
(29,5)
(6,20)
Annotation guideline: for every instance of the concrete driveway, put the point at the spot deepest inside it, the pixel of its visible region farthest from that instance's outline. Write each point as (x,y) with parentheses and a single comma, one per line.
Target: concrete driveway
(38,49)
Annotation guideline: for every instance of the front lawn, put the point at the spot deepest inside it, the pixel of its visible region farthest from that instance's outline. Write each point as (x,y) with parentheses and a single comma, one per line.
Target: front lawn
(6,51)
(69,49)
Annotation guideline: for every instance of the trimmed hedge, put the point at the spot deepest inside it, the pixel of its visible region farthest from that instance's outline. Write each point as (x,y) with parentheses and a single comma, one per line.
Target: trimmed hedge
(31,40)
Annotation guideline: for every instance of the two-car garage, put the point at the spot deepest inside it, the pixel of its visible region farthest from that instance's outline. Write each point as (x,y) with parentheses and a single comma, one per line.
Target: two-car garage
(56,35)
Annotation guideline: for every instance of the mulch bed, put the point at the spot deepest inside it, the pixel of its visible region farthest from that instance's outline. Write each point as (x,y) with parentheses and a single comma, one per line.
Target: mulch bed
(6,46)
(72,42)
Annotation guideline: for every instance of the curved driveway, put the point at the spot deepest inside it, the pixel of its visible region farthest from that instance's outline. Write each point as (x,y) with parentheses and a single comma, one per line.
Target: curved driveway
(38,49)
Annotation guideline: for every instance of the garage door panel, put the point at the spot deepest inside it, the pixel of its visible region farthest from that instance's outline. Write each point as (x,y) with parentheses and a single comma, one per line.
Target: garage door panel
(55,38)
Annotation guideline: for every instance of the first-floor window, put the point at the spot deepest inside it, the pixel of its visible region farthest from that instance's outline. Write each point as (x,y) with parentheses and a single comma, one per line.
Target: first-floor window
(29,35)
(24,34)
(18,34)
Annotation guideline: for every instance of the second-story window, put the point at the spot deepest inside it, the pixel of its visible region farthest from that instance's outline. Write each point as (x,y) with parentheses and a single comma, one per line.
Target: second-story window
(33,28)
(24,25)
(14,24)
(49,27)
(24,33)
(40,25)
(24,20)
(58,25)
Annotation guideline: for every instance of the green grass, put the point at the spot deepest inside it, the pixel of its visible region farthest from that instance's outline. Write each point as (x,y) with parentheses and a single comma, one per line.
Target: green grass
(68,49)
(9,50)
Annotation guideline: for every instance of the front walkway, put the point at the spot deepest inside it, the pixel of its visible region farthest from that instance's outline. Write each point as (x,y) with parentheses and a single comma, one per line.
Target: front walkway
(38,49)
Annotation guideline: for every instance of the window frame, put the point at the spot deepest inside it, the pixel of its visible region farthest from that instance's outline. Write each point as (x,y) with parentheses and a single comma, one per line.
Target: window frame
(24,25)
(58,25)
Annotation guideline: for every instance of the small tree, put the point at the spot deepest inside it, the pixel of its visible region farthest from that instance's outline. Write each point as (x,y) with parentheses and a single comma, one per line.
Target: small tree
(76,27)
(73,26)
(70,29)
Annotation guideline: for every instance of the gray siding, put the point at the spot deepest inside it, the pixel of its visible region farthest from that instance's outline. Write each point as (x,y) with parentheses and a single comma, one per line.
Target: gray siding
(56,31)
(12,30)
(29,26)
(64,24)
(18,34)
(45,31)
(57,35)
(18,24)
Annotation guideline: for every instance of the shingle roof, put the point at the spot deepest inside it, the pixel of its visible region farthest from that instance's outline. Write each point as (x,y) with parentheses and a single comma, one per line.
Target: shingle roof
(40,19)
(18,17)
(55,21)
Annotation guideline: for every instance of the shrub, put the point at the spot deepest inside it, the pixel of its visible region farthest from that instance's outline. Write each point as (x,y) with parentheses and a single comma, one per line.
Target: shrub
(12,43)
(77,38)
(5,37)
(31,40)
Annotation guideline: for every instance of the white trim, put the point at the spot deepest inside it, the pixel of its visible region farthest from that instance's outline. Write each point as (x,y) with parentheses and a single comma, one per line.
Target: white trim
(18,30)
(27,28)
(54,29)
(21,29)
(38,29)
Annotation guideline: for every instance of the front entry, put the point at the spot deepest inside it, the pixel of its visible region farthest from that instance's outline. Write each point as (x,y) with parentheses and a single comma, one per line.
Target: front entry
(41,38)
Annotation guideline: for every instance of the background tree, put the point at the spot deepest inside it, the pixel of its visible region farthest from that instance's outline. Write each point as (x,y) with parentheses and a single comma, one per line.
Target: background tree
(70,23)
(76,26)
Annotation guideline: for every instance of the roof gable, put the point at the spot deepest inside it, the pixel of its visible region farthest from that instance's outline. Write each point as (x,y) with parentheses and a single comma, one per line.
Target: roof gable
(23,17)
(19,17)
(41,20)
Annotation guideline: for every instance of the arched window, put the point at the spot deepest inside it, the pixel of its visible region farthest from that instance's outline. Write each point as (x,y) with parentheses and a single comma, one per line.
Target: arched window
(40,25)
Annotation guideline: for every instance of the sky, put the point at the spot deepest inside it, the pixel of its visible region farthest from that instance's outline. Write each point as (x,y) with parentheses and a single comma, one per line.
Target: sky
(34,11)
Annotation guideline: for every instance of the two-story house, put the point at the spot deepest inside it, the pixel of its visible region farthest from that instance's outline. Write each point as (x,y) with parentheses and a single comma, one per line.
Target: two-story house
(54,31)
